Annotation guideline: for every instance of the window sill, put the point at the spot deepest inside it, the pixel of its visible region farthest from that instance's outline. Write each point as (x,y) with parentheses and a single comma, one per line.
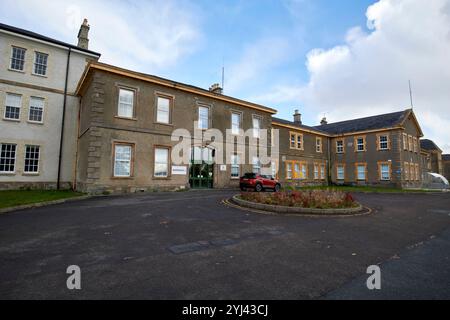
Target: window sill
(12,120)
(122,178)
(7,173)
(125,118)
(164,124)
(14,70)
(30,174)
(35,122)
(162,178)
(39,75)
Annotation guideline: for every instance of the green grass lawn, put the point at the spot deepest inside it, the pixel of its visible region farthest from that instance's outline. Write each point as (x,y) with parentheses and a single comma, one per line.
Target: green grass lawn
(363,189)
(12,198)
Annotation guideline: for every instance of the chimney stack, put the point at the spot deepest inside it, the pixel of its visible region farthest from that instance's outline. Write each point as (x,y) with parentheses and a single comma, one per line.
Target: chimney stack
(324,121)
(297,117)
(83,35)
(215,88)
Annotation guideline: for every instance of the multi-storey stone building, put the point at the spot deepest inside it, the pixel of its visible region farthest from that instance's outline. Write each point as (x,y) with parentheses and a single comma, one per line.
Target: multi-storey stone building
(446,165)
(71,121)
(39,107)
(126,124)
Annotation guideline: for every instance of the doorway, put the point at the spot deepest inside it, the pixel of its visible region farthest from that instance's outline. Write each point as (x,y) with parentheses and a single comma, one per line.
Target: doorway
(201,169)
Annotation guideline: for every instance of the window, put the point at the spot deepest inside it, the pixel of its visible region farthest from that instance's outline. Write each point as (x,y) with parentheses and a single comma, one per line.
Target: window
(385,171)
(304,173)
(235,172)
(126,103)
(339,146)
(163,109)
(256,126)
(256,165)
(417,172)
(293,140)
(274,167)
(322,172)
(122,160)
(316,171)
(361,172)
(36,109)
(235,123)
(415,145)
(296,141)
(289,170)
(360,143)
(410,143)
(412,172)
(203,118)
(319,145)
(383,142)
(12,106)
(405,141)
(8,158)
(297,174)
(161,162)
(18,58)
(40,63)
(340,172)
(32,159)
(406,169)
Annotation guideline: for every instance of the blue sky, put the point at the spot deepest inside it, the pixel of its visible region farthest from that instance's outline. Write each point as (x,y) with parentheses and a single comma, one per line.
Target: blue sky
(341,58)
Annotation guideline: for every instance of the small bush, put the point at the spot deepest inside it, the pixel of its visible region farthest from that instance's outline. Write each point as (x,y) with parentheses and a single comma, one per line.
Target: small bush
(318,199)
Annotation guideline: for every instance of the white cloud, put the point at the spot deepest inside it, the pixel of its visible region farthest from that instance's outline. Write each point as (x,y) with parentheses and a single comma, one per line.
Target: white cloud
(369,73)
(144,35)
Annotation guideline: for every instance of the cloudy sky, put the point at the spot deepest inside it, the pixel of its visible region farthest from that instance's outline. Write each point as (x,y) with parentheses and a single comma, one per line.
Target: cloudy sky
(341,58)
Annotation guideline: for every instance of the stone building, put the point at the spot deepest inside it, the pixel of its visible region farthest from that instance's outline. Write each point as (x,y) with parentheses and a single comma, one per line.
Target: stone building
(446,165)
(38,78)
(433,156)
(126,124)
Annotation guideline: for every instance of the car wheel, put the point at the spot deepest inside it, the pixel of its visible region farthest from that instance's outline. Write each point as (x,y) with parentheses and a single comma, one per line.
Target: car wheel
(277,188)
(259,188)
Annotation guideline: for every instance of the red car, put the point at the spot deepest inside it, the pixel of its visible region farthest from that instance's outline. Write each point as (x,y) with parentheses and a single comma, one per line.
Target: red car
(259,182)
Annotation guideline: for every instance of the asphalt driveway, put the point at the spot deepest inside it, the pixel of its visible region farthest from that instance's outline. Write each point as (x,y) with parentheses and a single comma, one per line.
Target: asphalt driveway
(191,246)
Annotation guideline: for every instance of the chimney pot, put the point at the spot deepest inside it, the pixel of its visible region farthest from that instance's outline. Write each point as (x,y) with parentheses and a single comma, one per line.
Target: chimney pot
(297,117)
(83,35)
(324,121)
(215,88)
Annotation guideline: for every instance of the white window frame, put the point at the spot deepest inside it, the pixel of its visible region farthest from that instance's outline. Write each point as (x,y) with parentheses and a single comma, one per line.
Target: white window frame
(123,160)
(7,105)
(161,111)
(203,123)
(381,142)
(304,171)
(36,64)
(289,169)
(363,144)
(38,152)
(9,158)
(322,172)
(363,172)
(316,172)
(339,172)
(36,107)
(235,168)
(158,162)
(236,127)
(122,104)
(338,147)
(256,165)
(256,124)
(23,61)
(383,172)
(318,145)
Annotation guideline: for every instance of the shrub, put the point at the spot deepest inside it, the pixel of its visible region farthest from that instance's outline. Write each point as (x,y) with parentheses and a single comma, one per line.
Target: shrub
(319,199)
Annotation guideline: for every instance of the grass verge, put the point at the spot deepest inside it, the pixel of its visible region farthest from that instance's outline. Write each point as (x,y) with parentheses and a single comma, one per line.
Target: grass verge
(364,189)
(13,198)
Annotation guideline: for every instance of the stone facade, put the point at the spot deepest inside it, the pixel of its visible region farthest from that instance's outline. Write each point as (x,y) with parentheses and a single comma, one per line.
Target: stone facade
(101,129)
(47,87)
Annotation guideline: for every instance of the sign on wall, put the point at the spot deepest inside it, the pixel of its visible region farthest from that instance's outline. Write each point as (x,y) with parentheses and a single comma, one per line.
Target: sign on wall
(179,170)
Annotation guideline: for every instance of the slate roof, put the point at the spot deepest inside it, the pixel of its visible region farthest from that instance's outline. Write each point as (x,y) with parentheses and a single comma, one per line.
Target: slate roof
(382,121)
(44,38)
(427,144)
(446,157)
(300,126)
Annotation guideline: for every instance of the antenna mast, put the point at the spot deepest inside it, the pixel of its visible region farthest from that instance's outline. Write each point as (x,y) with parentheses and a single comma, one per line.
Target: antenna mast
(223,74)
(410,94)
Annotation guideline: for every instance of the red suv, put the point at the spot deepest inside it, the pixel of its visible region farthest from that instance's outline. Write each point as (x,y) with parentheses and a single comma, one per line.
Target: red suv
(259,182)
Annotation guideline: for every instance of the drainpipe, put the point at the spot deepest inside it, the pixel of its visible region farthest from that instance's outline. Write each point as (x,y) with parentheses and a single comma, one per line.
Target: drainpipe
(58,183)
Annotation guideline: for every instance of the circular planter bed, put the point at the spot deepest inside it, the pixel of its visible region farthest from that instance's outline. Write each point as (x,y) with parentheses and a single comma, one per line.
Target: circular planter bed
(282,209)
